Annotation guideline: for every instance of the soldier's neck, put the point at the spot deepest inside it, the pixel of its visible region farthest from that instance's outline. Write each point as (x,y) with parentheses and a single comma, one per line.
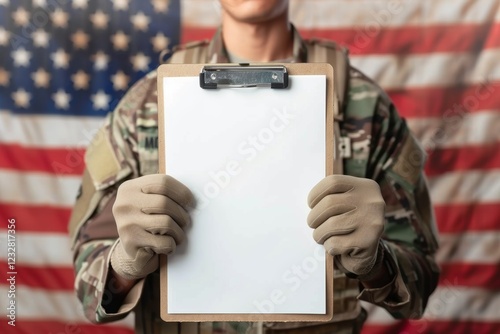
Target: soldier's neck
(260,42)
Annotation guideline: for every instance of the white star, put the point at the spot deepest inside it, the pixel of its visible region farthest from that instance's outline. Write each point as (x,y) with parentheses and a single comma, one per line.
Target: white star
(160,6)
(160,42)
(80,39)
(120,4)
(80,80)
(59,18)
(60,59)
(21,16)
(101,61)
(21,98)
(61,99)
(21,57)
(99,20)
(41,78)
(4,77)
(140,21)
(101,100)
(82,4)
(4,36)
(120,41)
(140,62)
(39,3)
(40,38)
(120,81)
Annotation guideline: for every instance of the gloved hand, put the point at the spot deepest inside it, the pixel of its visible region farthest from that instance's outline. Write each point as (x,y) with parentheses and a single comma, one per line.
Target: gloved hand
(348,217)
(150,212)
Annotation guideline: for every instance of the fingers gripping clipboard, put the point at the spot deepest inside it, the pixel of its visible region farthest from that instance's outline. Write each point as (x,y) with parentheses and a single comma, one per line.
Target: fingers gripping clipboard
(250,141)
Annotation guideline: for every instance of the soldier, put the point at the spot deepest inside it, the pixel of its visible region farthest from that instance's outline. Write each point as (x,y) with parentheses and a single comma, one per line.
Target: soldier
(376,219)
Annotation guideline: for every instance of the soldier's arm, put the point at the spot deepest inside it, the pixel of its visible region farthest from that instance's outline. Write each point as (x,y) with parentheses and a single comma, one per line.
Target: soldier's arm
(110,159)
(386,151)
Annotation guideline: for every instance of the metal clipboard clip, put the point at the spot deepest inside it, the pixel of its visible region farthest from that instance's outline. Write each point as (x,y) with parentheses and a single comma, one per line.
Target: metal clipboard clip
(243,75)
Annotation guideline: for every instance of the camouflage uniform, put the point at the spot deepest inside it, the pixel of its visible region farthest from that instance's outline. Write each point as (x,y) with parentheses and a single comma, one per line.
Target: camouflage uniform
(382,149)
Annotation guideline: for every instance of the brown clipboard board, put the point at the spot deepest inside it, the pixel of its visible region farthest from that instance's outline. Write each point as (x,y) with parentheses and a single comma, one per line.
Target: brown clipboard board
(193,70)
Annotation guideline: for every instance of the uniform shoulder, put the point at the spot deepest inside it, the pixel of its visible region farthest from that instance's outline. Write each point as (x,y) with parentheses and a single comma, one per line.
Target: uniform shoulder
(326,43)
(191,45)
(360,83)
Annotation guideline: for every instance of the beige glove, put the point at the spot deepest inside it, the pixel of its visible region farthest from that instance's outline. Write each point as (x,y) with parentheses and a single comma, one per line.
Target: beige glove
(150,212)
(348,217)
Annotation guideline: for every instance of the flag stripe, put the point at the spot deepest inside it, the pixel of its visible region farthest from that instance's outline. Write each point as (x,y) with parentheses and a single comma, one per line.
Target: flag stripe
(62,161)
(47,130)
(433,326)
(52,305)
(471,247)
(62,326)
(399,72)
(470,274)
(38,188)
(61,278)
(465,187)
(28,217)
(457,218)
(447,101)
(44,277)
(464,158)
(37,249)
(450,302)
(370,40)
(450,218)
(457,130)
(346,13)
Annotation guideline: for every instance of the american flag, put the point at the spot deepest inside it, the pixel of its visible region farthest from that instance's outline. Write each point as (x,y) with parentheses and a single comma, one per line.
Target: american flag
(439,60)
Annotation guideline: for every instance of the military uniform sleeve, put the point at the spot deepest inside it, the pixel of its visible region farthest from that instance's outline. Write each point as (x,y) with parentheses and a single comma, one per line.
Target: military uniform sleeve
(383,149)
(110,159)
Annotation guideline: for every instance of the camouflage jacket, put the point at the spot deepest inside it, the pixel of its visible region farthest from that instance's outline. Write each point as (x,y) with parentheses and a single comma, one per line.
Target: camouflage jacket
(383,149)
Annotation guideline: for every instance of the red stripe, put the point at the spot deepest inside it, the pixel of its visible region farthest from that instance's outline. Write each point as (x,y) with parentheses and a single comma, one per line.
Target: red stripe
(434,326)
(443,160)
(446,102)
(467,217)
(62,277)
(36,218)
(453,218)
(47,278)
(24,326)
(60,161)
(470,275)
(371,39)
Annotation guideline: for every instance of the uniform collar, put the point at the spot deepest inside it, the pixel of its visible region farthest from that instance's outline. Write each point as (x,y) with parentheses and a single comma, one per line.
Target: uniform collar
(217,52)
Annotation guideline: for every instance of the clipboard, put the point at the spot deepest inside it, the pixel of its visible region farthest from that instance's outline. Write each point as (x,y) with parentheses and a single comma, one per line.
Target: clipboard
(215,78)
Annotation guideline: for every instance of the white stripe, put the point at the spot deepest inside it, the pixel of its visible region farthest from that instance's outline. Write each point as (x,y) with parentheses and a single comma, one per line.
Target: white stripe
(469,247)
(42,249)
(38,188)
(449,303)
(457,129)
(47,130)
(40,305)
(334,14)
(346,13)
(465,187)
(430,70)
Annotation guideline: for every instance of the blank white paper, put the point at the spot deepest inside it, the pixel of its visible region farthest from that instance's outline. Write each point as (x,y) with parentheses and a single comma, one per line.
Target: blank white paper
(250,156)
